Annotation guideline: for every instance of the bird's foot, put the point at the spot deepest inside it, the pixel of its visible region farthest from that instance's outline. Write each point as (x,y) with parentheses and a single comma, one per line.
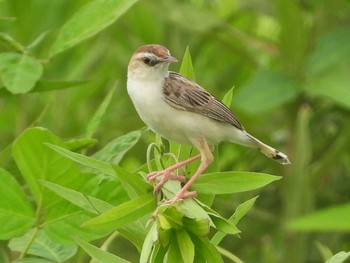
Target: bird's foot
(166,176)
(181,196)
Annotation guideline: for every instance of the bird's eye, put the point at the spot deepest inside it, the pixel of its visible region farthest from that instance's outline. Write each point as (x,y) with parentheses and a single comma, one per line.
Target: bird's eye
(146,60)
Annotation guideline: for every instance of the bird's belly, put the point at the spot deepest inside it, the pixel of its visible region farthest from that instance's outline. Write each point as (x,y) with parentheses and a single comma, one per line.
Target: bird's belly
(185,127)
(177,125)
(168,122)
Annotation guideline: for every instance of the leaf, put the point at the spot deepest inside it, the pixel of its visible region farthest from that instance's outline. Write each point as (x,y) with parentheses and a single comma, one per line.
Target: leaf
(132,183)
(339,257)
(328,67)
(88,203)
(123,214)
(185,245)
(96,119)
(197,227)
(267,91)
(174,253)
(332,219)
(232,182)
(148,244)
(43,246)
(80,144)
(16,213)
(85,160)
(332,84)
(115,150)
(32,260)
(186,68)
(324,250)
(241,210)
(331,51)
(43,164)
(135,232)
(19,72)
(98,254)
(60,217)
(206,249)
(225,225)
(49,85)
(88,21)
(227,100)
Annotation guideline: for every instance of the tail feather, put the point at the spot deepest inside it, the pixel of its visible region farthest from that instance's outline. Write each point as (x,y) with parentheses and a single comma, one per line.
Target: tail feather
(270,152)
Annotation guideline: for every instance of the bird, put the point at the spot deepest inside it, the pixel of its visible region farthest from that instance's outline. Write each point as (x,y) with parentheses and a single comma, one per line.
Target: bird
(180,110)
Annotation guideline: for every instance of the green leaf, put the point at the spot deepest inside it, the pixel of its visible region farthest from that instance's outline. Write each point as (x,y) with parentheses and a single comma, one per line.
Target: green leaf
(88,21)
(43,246)
(123,214)
(225,225)
(174,253)
(242,209)
(331,51)
(32,260)
(191,209)
(135,232)
(227,100)
(85,160)
(80,144)
(185,245)
(96,119)
(332,219)
(49,85)
(267,91)
(197,227)
(232,182)
(186,68)
(324,250)
(148,243)
(16,213)
(173,216)
(98,254)
(332,84)
(115,150)
(133,183)
(206,249)
(88,203)
(19,72)
(339,257)
(61,218)
(43,164)
(158,254)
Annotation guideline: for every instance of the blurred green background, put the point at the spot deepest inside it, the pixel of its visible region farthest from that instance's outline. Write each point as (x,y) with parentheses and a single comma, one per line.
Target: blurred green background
(289,63)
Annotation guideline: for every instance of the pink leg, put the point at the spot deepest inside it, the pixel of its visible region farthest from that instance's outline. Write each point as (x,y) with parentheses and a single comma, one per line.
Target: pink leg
(167,173)
(182,194)
(207,158)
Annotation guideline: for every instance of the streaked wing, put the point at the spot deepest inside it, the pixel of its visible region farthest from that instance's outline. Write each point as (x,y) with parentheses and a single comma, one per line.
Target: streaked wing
(184,94)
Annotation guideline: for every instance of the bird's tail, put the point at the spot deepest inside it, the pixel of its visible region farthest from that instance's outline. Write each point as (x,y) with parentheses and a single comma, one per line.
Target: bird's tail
(269,151)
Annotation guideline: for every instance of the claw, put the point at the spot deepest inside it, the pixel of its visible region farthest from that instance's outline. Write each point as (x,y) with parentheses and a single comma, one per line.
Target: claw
(180,197)
(166,177)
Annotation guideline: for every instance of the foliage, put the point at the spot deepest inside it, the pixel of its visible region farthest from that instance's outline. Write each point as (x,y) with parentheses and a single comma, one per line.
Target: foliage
(75,184)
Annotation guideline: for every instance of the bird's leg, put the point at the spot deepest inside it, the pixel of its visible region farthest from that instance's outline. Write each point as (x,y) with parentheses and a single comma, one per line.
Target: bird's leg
(167,173)
(207,157)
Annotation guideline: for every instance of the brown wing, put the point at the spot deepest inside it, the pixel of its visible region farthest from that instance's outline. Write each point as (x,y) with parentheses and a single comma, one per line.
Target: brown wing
(184,94)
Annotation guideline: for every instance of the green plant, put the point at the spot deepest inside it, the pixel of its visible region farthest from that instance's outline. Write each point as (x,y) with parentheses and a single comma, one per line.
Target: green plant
(289,64)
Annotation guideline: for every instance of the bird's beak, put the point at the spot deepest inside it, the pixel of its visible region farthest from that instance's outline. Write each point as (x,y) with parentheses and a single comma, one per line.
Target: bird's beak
(170,59)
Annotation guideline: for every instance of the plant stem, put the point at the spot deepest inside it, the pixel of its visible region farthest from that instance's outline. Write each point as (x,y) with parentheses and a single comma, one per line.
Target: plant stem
(25,251)
(229,255)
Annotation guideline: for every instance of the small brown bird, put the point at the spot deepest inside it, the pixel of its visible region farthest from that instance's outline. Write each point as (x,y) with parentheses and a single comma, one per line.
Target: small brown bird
(179,109)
